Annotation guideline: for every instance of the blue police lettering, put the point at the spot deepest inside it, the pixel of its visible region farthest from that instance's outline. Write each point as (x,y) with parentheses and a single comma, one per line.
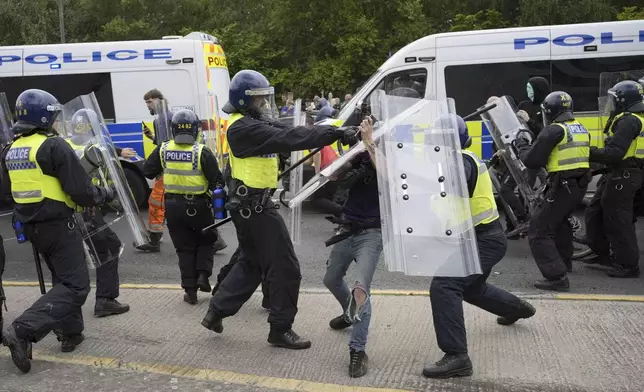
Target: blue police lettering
(95,56)
(178,156)
(113,55)
(18,154)
(31,59)
(69,58)
(153,54)
(577,128)
(12,58)
(579,39)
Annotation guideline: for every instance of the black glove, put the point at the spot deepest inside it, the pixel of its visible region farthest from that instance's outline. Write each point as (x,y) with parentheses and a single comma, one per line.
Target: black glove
(349,135)
(109,194)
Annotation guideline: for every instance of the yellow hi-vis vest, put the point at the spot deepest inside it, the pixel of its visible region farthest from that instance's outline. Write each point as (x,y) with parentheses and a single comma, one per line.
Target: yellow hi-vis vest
(573,151)
(182,168)
(636,149)
(255,172)
(80,153)
(482,202)
(28,183)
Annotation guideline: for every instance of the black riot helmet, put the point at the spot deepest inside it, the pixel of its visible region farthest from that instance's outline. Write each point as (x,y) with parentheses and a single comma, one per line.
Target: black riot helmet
(557,107)
(626,96)
(185,127)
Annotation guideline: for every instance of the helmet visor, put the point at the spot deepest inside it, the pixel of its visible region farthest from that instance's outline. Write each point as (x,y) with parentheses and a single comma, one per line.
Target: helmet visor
(263,101)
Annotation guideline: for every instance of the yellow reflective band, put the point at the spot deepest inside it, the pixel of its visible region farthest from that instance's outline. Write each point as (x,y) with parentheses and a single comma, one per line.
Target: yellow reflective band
(636,149)
(573,151)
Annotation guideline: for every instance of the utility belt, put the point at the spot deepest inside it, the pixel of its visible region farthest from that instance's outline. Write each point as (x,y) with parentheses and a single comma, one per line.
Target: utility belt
(557,181)
(246,200)
(191,201)
(348,228)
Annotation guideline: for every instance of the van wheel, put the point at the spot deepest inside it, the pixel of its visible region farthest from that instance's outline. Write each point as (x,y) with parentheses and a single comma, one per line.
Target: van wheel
(138,186)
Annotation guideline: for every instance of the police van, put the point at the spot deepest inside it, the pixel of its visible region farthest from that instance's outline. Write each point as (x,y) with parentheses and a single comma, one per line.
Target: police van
(190,72)
(472,66)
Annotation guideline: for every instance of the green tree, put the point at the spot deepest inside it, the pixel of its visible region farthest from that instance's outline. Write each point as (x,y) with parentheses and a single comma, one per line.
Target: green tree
(482,20)
(631,13)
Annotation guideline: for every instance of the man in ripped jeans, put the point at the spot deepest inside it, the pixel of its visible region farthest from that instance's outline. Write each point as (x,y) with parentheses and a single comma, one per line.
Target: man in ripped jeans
(358,239)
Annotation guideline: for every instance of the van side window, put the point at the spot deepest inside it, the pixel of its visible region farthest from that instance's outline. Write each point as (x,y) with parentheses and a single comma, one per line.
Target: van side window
(410,83)
(471,85)
(65,88)
(580,77)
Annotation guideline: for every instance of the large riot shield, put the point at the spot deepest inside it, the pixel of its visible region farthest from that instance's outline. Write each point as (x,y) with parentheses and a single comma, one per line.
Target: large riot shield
(162,121)
(505,127)
(94,146)
(427,224)
(606,81)
(212,130)
(6,121)
(381,107)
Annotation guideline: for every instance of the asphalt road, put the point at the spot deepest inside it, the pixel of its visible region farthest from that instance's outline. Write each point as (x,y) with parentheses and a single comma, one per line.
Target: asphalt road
(517,272)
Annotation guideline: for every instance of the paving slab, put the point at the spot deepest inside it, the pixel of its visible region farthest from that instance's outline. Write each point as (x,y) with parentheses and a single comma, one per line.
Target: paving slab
(589,346)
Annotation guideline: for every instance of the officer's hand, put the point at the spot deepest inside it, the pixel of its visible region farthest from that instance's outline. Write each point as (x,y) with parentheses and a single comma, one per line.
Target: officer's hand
(109,194)
(349,135)
(128,153)
(523,115)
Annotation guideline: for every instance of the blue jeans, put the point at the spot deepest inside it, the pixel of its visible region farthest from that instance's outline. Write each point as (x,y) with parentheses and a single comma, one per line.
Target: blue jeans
(364,248)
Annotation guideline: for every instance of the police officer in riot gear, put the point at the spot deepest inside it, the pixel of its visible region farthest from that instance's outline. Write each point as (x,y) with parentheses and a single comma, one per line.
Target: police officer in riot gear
(47,182)
(107,244)
(609,216)
(269,255)
(190,173)
(448,293)
(563,148)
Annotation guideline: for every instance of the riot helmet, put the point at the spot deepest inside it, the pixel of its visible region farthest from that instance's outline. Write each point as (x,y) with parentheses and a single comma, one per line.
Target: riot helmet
(625,96)
(557,107)
(251,93)
(36,109)
(451,121)
(185,127)
(81,126)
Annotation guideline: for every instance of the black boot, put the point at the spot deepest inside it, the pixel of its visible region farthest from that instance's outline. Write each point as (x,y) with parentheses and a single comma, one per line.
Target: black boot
(288,339)
(450,366)
(20,349)
(339,323)
(213,322)
(358,363)
(155,243)
(266,304)
(70,342)
(526,311)
(109,307)
(561,284)
(623,272)
(203,283)
(190,297)
(220,244)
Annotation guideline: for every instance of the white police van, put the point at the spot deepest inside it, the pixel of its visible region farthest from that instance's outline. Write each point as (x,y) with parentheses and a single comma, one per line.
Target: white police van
(474,65)
(190,71)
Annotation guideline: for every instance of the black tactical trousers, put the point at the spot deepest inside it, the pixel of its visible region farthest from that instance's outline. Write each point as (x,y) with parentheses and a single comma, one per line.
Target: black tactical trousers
(225,270)
(59,309)
(447,295)
(108,246)
(609,217)
(550,232)
(268,253)
(186,218)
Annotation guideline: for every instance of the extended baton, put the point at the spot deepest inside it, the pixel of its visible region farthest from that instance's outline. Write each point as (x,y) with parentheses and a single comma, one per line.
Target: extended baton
(41,278)
(480,111)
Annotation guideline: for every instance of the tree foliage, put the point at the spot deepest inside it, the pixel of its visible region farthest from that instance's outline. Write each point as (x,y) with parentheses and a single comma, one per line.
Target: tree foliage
(304,47)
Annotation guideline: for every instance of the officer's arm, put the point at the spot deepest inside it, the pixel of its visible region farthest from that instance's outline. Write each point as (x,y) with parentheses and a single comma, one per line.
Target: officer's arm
(152,166)
(471,173)
(57,159)
(210,169)
(625,129)
(537,156)
(248,137)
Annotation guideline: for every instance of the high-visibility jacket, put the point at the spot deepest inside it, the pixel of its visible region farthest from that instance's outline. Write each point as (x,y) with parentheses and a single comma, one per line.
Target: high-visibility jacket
(256,172)
(636,149)
(573,151)
(182,172)
(80,153)
(28,183)
(482,203)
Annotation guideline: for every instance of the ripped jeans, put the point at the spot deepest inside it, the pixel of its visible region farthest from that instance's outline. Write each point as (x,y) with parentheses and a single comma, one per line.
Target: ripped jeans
(364,248)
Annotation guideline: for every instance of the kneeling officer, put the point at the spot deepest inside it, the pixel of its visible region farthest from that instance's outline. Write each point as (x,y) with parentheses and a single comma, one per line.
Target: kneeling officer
(190,172)
(47,183)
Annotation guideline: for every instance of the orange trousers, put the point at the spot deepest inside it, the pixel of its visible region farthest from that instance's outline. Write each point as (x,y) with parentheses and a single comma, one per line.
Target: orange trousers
(156,207)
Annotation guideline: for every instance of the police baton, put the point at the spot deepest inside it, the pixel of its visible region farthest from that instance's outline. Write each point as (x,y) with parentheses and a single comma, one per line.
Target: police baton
(279,177)
(41,279)
(480,111)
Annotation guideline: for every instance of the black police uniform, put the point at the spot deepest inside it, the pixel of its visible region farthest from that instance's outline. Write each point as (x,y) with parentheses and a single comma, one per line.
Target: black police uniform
(263,237)
(49,225)
(609,216)
(194,249)
(550,232)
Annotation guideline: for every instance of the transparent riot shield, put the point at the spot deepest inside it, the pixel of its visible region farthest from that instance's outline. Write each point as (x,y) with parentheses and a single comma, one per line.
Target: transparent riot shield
(427,224)
(381,107)
(606,81)
(6,121)
(94,146)
(211,132)
(162,121)
(505,127)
